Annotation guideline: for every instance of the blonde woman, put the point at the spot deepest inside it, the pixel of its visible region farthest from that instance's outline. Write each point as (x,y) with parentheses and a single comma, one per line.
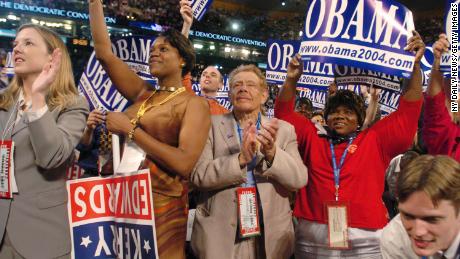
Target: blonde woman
(43,115)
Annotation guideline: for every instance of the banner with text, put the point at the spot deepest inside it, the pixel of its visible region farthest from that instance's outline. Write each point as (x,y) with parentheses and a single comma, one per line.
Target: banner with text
(280,54)
(345,75)
(368,34)
(222,94)
(317,76)
(112,217)
(96,85)
(388,99)
(451,29)
(47,8)
(199,8)
(317,95)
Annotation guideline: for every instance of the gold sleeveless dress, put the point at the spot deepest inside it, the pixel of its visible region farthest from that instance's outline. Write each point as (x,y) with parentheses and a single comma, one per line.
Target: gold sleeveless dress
(170,192)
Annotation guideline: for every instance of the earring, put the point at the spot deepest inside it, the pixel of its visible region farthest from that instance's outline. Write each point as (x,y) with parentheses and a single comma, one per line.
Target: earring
(182,65)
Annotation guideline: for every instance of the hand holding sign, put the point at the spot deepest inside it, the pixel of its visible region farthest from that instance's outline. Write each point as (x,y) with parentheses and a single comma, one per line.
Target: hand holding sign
(294,70)
(186,12)
(374,93)
(439,47)
(416,44)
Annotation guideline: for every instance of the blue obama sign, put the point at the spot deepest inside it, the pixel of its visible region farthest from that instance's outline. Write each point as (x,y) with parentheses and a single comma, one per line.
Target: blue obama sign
(369,34)
(96,85)
(280,54)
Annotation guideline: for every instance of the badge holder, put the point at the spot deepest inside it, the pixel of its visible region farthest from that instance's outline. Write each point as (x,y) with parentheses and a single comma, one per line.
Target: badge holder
(337,223)
(131,160)
(248,212)
(6,169)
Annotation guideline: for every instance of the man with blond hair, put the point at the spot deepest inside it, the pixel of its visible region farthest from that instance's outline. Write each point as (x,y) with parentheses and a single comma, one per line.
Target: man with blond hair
(428,225)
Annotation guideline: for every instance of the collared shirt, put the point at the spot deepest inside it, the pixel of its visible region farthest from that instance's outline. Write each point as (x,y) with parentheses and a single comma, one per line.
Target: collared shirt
(395,243)
(250,178)
(453,252)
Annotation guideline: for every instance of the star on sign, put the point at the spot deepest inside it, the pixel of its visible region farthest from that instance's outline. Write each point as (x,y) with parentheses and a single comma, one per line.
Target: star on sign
(147,246)
(85,241)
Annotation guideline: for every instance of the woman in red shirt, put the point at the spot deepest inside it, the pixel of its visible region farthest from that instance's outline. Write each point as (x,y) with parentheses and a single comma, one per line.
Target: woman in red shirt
(440,134)
(347,189)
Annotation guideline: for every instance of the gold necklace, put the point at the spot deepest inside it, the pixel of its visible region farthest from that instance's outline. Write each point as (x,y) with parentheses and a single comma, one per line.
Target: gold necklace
(168,88)
(146,107)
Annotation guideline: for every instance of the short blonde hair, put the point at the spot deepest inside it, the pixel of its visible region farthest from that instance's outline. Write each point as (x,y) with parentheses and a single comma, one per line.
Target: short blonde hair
(437,176)
(62,92)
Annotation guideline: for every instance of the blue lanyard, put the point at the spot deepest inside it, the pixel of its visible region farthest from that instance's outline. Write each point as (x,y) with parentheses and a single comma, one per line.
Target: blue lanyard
(337,169)
(250,179)
(240,130)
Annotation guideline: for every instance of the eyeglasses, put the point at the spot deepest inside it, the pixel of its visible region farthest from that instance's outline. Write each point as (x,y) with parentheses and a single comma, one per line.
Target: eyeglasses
(238,86)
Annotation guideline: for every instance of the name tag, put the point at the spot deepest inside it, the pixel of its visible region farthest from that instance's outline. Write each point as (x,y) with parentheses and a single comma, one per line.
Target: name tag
(337,218)
(6,169)
(190,220)
(248,212)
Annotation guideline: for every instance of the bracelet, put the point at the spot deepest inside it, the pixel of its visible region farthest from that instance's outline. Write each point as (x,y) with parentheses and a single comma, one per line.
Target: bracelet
(131,133)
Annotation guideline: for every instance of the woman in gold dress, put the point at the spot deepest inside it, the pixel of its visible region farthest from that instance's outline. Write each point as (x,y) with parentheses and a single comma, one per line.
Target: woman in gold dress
(170,125)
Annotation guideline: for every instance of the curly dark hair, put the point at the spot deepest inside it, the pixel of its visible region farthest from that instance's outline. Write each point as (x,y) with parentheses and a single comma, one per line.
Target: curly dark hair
(183,45)
(348,99)
(305,101)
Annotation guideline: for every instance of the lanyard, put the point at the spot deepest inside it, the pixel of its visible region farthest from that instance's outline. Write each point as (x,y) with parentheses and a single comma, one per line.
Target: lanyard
(240,130)
(249,174)
(11,126)
(337,169)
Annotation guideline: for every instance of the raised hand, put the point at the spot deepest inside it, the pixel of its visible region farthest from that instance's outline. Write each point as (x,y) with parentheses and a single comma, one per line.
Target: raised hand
(436,82)
(295,68)
(374,92)
(48,74)
(186,12)
(187,15)
(267,138)
(439,47)
(294,71)
(415,43)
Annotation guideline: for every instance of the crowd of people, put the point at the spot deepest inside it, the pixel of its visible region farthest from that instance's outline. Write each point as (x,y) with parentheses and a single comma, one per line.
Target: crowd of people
(249,176)
(252,23)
